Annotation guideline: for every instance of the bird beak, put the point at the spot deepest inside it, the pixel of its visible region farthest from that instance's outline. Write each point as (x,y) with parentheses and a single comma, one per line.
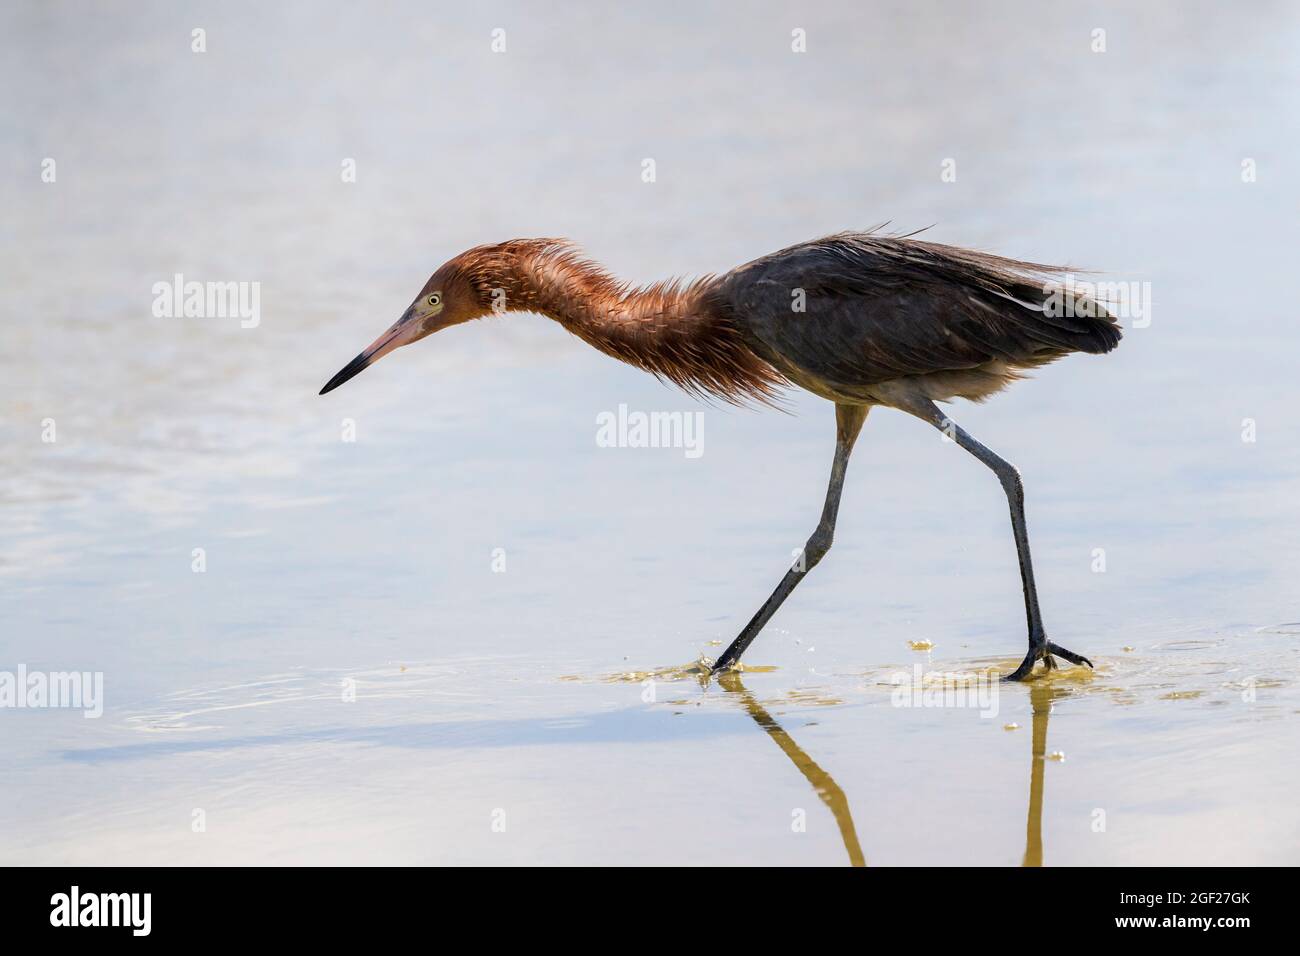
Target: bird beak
(406,330)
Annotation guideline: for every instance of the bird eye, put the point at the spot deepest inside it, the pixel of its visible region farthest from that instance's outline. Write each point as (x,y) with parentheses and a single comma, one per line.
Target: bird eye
(435,299)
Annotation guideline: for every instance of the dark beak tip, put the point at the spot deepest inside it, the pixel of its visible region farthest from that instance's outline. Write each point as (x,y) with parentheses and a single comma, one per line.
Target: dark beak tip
(353,368)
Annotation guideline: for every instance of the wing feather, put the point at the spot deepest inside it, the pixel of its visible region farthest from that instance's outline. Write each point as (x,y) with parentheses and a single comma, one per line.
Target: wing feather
(877,308)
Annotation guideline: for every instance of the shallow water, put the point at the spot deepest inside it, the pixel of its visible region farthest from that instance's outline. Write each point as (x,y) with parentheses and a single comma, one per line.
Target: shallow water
(354,679)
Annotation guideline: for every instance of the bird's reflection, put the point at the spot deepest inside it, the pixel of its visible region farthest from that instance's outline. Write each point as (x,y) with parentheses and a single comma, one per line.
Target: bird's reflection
(822,783)
(1041,694)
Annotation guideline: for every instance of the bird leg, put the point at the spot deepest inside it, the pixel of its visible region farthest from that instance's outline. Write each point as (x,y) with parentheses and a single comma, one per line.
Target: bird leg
(848,422)
(1040,648)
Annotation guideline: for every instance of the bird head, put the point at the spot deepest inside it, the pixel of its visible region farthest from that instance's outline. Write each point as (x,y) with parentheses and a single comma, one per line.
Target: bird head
(447,299)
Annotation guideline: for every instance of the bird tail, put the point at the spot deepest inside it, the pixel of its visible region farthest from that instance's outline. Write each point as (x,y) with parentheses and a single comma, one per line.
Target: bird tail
(1070,315)
(1093,327)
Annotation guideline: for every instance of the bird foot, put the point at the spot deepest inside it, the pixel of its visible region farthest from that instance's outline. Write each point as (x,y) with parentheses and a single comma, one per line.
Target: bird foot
(1044,652)
(723,665)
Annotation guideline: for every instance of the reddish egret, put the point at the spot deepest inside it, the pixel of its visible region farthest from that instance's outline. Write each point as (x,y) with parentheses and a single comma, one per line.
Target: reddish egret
(859,319)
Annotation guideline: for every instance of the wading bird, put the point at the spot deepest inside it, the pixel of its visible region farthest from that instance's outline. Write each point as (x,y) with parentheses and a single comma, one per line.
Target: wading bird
(860,319)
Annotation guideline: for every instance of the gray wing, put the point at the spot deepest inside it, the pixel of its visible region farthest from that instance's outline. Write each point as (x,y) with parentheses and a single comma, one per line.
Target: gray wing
(878,308)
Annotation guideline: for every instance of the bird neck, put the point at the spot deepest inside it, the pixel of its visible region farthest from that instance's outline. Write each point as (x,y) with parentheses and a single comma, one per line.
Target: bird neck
(673,330)
(551,278)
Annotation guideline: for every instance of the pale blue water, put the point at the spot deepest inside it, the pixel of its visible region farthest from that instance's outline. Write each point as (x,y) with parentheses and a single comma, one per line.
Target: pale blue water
(330,560)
